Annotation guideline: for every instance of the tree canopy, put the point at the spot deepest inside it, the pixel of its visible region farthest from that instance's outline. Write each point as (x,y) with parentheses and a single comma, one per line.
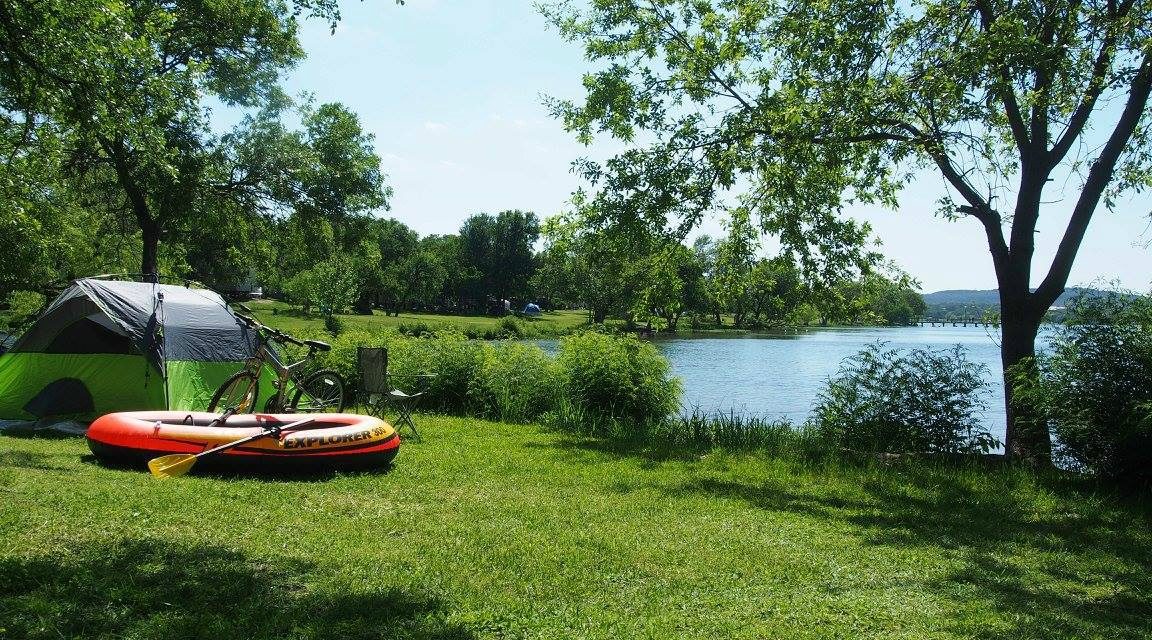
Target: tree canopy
(114,95)
(497,254)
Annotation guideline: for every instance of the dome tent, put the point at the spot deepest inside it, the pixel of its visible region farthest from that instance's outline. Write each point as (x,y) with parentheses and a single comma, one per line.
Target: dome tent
(109,345)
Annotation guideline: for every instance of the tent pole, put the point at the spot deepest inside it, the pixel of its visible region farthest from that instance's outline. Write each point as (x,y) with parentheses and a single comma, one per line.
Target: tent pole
(158,315)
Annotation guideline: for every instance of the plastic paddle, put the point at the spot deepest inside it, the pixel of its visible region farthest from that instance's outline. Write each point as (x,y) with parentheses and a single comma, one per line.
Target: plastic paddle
(170,466)
(177,464)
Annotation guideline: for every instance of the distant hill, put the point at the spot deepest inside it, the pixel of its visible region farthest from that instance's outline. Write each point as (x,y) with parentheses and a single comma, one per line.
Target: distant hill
(973,303)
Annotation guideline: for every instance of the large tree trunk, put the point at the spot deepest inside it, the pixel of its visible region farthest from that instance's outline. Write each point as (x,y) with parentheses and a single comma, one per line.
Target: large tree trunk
(138,201)
(1026,434)
(363,304)
(150,234)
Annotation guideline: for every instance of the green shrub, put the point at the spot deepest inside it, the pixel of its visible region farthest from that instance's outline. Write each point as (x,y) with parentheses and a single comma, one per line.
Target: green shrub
(925,401)
(333,325)
(517,381)
(617,380)
(511,328)
(1096,387)
(415,329)
(455,363)
(614,386)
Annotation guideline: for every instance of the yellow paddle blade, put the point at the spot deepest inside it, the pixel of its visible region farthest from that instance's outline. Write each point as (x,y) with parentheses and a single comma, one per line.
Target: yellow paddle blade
(171,466)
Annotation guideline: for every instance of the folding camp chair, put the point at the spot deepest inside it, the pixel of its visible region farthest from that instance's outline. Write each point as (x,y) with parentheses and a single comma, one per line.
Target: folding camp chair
(377,392)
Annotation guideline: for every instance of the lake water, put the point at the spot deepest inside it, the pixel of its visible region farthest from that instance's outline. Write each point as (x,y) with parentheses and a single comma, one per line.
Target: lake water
(780,375)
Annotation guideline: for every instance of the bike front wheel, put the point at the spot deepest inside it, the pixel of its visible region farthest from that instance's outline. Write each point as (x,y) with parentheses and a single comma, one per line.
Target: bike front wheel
(238,393)
(321,392)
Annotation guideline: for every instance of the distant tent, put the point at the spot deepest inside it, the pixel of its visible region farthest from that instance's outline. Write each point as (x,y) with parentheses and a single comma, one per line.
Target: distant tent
(531,309)
(107,345)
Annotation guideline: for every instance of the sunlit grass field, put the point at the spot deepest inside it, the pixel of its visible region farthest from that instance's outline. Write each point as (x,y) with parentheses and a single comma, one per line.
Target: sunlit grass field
(288,318)
(487,530)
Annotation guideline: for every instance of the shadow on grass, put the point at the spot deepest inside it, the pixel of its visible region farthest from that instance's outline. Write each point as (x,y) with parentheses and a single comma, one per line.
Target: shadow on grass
(29,460)
(152,589)
(1055,557)
(44,433)
(316,474)
(222,467)
(649,454)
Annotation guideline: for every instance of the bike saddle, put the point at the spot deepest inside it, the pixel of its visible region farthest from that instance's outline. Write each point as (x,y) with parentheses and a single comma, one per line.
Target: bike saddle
(317,345)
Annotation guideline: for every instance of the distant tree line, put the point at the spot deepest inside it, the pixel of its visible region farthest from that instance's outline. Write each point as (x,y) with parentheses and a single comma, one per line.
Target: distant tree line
(647,278)
(390,267)
(639,278)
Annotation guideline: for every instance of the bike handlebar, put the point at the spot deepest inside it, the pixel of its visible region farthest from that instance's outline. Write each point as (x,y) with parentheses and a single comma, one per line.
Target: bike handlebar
(284,337)
(275,334)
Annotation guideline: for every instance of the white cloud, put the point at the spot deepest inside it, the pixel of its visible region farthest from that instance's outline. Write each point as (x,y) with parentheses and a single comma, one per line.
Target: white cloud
(435,127)
(536,146)
(518,123)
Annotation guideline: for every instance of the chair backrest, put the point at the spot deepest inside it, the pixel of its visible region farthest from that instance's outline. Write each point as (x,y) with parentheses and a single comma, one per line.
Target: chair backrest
(373,363)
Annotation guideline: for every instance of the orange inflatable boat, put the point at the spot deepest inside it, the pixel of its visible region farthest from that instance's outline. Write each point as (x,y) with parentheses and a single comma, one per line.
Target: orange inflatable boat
(331,441)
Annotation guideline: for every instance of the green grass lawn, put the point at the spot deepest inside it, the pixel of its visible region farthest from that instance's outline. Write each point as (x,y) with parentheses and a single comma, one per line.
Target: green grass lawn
(288,318)
(501,531)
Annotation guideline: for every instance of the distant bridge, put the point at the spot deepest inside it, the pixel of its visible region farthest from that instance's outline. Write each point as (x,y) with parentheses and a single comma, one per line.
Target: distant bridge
(957,322)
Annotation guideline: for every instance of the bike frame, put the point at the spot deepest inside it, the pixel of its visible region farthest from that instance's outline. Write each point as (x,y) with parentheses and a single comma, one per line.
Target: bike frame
(284,372)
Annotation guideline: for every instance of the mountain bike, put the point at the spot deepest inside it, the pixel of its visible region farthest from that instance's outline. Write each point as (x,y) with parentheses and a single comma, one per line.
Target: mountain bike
(317,391)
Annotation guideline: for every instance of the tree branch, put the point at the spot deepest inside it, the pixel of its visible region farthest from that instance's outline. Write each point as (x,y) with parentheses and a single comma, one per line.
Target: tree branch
(1095,88)
(978,207)
(679,37)
(1005,91)
(11,43)
(1099,176)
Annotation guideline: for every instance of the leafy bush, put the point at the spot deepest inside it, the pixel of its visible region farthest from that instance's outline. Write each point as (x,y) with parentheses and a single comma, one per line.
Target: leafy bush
(455,362)
(517,381)
(514,328)
(415,329)
(511,327)
(925,401)
(1096,387)
(300,289)
(613,386)
(334,325)
(617,379)
(329,285)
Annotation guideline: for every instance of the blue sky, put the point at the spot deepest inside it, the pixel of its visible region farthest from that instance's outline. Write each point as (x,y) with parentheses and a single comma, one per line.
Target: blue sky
(453,93)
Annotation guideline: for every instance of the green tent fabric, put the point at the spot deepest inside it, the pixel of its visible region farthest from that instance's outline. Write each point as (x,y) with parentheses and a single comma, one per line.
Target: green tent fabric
(130,345)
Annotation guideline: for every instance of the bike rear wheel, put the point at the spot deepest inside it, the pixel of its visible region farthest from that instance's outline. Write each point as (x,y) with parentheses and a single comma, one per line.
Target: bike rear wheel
(321,392)
(239,393)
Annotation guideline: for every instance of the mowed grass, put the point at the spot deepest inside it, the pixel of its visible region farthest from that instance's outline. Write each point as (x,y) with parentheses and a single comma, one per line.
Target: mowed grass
(487,530)
(290,319)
